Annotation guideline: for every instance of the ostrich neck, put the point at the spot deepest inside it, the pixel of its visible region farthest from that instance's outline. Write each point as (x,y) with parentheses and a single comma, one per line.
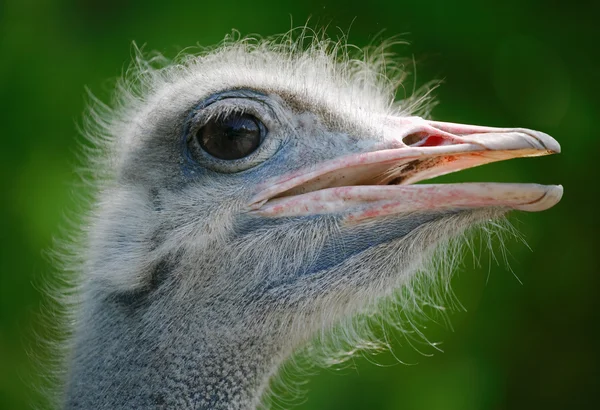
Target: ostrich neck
(184,361)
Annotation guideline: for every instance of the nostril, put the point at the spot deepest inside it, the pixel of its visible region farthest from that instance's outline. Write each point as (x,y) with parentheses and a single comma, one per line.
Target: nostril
(413,139)
(424,140)
(433,141)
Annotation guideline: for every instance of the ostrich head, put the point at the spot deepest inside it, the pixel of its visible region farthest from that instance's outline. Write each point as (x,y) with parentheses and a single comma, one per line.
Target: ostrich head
(251,197)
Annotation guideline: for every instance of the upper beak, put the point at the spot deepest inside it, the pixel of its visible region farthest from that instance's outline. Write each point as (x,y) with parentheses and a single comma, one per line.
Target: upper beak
(376,183)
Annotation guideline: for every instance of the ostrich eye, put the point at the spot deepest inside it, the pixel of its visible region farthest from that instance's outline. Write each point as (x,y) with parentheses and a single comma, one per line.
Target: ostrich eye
(234,136)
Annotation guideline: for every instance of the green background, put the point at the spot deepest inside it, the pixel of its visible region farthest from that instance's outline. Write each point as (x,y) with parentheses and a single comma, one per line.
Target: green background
(533,64)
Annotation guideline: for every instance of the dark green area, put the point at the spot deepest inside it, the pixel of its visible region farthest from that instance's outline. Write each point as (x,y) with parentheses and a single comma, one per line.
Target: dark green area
(512,63)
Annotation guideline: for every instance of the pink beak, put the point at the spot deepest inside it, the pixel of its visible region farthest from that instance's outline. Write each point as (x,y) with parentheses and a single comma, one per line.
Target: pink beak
(378,183)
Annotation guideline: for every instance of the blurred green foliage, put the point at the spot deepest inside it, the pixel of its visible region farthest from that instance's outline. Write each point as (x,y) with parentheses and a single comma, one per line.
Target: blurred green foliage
(512,63)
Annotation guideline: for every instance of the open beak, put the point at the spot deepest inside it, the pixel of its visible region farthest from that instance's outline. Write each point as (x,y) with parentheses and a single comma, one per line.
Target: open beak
(379,183)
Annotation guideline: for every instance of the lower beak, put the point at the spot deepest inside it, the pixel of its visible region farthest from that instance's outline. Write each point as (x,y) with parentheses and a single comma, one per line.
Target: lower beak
(378,183)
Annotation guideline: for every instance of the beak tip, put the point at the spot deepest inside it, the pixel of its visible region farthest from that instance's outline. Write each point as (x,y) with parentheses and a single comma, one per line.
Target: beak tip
(554,195)
(549,143)
(551,196)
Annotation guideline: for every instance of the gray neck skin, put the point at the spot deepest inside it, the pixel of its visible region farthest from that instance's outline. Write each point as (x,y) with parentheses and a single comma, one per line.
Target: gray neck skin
(129,354)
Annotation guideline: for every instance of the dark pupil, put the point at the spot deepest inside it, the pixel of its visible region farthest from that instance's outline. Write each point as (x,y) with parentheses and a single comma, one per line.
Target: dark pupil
(232,137)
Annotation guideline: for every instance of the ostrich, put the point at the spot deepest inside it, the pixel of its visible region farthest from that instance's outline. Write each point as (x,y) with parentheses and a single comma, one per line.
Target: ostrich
(254,196)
